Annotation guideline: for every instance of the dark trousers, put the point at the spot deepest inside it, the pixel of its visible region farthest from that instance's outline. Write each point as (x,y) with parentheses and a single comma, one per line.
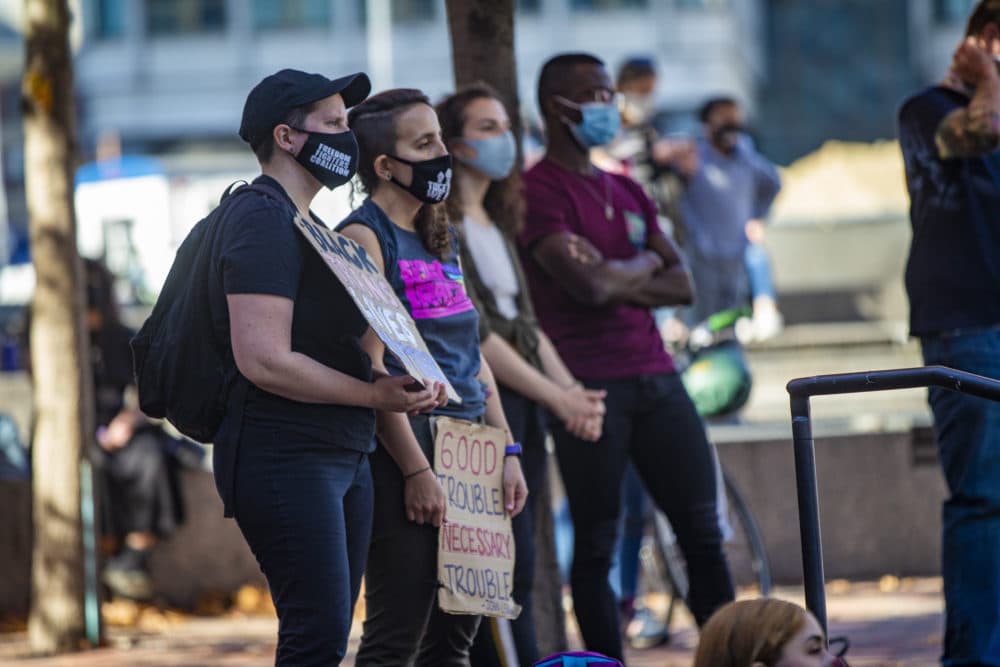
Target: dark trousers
(140,486)
(308,524)
(404,625)
(527,423)
(651,421)
(968,434)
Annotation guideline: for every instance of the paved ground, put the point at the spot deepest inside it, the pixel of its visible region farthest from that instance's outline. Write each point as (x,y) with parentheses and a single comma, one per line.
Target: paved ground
(889,623)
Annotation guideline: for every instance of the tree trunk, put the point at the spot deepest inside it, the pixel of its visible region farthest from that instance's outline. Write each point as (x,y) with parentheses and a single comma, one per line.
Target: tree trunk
(482,48)
(62,385)
(482,44)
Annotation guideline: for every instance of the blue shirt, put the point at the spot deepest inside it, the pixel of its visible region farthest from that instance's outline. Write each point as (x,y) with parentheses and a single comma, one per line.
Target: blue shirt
(723,195)
(953,271)
(433,290)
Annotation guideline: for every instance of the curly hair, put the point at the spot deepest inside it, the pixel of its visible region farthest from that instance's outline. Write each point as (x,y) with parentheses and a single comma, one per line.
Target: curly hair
(374,125)
(504,203)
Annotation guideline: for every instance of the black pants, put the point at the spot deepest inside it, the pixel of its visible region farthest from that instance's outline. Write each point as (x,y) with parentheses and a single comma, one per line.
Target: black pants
(308,522)
(651,420)
(527,423)
(404,625)
(141,487)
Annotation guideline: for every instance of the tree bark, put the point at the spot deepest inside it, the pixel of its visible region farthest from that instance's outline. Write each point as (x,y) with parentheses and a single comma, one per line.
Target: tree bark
(61,376)
(482,44)
(482,47)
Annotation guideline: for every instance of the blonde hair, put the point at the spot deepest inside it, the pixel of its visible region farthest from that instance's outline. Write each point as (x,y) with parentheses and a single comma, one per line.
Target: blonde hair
(748,631)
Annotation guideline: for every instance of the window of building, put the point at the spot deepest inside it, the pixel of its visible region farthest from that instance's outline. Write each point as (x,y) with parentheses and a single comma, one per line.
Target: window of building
(172,17)
(404,11)
(106,18)
(529,5)
(952,11)
(703,4)
(608,4)
(286,14)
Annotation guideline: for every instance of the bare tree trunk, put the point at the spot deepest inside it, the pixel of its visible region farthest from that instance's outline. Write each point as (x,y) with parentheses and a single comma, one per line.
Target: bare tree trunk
(482,45)
(62,384)
(482,48)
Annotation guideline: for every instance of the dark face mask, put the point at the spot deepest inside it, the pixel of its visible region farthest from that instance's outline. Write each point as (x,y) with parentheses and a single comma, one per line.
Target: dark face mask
(431,181)
(332,159)
(727,136)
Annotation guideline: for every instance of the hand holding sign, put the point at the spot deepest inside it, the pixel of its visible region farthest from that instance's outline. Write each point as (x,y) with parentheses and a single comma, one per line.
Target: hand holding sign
(424,499)
(401,393)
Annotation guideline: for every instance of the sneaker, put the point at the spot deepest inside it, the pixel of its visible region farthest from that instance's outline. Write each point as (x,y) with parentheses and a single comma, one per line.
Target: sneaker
(645,630)
(128,576)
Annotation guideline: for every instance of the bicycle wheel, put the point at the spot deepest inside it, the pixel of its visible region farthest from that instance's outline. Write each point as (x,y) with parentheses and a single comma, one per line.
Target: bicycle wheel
(745,551)
(744,548)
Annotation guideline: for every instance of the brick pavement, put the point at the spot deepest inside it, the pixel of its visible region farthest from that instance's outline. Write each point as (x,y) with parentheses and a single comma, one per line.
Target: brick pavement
(889,624)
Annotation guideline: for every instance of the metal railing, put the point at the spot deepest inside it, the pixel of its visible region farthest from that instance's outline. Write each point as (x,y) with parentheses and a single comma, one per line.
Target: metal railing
(800,390)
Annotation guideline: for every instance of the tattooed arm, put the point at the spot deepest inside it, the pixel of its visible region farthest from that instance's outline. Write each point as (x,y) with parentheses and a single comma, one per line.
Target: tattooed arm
(975,129)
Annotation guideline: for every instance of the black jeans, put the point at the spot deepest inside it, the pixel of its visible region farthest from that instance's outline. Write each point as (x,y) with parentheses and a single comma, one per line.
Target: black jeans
(404,625)
(308,522)
(651,420)
(527,421)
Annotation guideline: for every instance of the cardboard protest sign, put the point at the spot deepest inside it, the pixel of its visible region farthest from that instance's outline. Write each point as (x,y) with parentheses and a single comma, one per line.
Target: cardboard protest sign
(376,300)
(476,546)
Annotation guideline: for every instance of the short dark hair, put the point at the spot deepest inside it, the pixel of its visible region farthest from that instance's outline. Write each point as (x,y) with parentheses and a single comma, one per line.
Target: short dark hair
(555,70)
(986,12)
(714,103)
(635,68)
(295,118)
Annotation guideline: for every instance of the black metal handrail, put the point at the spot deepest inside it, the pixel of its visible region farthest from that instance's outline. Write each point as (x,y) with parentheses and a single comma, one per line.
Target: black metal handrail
(799,391)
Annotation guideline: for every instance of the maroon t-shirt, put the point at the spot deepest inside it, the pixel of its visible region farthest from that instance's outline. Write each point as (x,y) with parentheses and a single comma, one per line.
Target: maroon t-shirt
(597,343)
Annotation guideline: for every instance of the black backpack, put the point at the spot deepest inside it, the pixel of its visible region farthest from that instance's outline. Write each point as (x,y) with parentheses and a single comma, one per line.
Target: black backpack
(183,372)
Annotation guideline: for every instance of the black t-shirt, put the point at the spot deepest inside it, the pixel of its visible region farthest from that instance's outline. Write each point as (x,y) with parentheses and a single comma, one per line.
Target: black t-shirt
(953,272)
(262,252)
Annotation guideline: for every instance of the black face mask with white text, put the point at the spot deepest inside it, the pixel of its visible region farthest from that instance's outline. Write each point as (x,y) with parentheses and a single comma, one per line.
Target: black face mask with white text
(332,159)
(431,180)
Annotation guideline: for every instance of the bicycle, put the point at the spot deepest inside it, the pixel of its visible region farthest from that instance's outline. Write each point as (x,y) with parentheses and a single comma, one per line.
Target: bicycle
(716,376)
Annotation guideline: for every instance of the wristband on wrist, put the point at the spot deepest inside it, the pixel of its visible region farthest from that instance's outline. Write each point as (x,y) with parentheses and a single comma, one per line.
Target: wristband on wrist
(416,472)
(513,449)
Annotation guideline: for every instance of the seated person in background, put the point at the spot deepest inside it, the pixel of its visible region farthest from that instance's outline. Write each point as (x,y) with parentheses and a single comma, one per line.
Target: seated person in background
(141,503)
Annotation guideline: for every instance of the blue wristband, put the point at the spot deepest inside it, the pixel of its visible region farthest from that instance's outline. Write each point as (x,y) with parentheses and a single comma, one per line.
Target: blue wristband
(513,449)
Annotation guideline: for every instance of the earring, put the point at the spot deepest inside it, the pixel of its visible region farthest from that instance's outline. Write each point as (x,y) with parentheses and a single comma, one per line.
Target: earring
(387,176)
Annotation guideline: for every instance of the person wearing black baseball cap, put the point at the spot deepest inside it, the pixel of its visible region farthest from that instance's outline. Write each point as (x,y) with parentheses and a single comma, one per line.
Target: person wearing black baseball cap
(302,491)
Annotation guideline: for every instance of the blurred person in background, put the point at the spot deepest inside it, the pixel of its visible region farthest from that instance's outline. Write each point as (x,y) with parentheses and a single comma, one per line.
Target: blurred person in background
(487,208)
(138,478)
(950,135)
(597,313)
(722,210)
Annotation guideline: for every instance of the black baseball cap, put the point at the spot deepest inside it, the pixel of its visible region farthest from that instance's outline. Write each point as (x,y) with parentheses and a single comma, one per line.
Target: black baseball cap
(276,95)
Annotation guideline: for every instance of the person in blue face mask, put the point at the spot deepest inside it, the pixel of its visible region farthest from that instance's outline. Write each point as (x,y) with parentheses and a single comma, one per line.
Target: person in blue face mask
(596,264)
(486,205)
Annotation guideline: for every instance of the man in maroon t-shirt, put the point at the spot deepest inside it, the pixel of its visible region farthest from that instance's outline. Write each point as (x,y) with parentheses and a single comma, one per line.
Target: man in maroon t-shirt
(596,263)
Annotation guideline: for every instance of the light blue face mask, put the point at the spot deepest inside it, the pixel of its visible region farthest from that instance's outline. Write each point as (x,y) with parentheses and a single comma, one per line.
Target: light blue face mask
(599,122)
(494,155)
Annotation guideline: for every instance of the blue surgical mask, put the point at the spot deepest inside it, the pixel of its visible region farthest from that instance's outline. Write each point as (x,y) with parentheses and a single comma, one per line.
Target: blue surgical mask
(494,155)
(599,122)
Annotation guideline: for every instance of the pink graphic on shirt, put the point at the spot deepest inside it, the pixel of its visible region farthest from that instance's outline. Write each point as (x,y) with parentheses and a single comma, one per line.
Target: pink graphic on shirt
(433,289)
